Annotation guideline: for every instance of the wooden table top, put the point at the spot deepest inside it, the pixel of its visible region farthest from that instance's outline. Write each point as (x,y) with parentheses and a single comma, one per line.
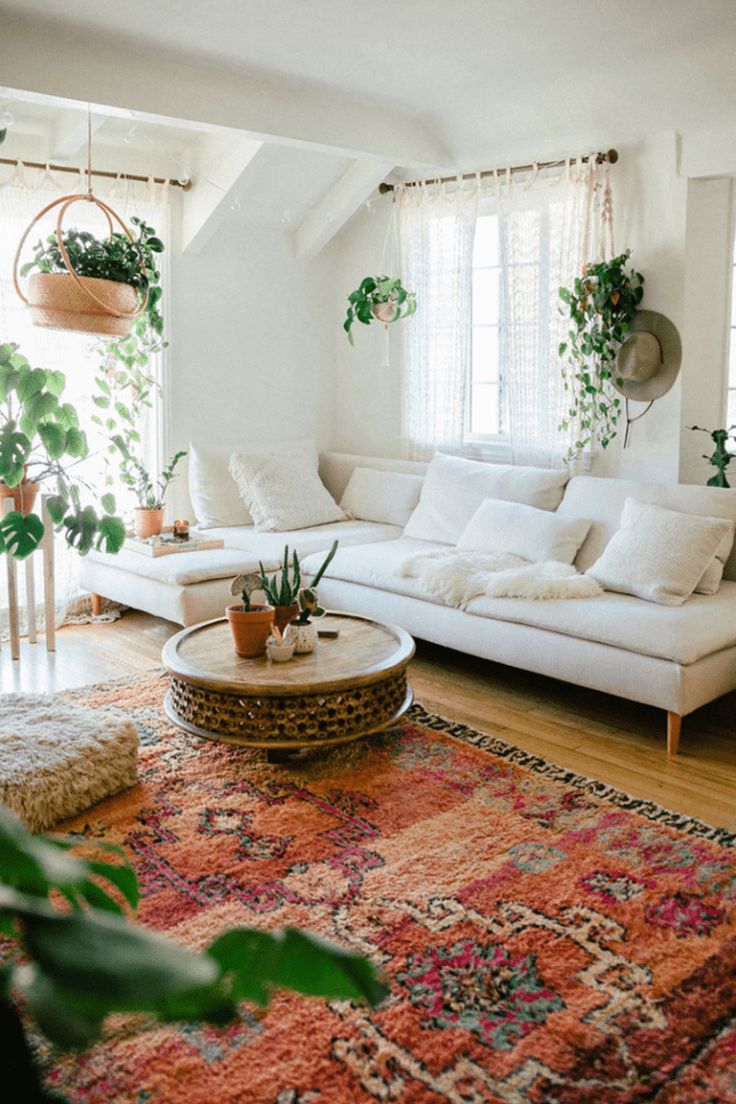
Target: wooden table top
(365,651)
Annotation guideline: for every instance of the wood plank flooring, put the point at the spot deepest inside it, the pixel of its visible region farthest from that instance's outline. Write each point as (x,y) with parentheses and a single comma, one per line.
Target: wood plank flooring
(618,742)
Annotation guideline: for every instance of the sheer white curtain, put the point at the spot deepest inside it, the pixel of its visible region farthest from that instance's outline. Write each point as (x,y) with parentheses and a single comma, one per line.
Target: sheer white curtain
(436,232)
(22,194)
(549,228)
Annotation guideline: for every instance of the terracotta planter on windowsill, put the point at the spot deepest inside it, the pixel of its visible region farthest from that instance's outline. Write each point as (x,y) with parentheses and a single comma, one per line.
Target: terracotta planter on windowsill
(250,628)
(147,522)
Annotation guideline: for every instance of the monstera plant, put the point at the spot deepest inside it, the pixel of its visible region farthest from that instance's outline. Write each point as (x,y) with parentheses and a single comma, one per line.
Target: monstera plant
(41,442)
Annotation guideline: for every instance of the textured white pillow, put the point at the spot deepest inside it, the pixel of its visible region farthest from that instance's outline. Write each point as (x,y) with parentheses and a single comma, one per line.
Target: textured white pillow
(384,496)
(525,531)
(658,554)
(454,489)
(283,490)
(216,500)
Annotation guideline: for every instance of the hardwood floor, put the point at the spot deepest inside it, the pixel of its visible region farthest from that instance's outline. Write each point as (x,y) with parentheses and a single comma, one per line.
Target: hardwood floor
(618,742)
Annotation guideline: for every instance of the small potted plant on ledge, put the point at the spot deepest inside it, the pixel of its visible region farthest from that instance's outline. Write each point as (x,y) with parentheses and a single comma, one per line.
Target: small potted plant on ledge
(250,624)
(381,299)
(282,590)
(148,515)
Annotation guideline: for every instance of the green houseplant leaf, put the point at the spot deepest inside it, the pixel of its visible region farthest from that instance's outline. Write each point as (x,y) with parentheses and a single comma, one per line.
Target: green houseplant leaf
(21,534)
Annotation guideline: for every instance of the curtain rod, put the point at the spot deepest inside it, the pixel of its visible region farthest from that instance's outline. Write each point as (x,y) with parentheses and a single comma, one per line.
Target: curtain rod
(98,172)
(610,156)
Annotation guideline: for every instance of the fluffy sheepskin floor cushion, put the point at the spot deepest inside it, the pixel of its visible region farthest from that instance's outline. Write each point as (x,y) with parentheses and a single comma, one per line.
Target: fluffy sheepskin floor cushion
(58,758)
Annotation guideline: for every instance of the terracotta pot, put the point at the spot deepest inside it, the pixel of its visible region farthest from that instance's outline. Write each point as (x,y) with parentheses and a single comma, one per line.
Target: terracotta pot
(284,615)
(23,502)
(384,312)
(58,302)
(304,638)
(250,628)
(147,522)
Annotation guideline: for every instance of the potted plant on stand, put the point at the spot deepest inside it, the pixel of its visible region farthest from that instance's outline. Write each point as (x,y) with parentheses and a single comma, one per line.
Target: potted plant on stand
(282,590)
(250,624)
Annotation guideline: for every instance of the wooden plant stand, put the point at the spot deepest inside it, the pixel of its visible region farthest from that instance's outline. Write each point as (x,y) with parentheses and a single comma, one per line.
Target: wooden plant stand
(47,557)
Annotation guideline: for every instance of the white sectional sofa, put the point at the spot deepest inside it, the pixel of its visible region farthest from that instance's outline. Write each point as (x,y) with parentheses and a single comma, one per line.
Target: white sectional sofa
(674,657)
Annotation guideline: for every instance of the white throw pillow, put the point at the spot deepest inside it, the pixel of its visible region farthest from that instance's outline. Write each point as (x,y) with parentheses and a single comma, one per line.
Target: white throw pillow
(454,489)
(384,496)
(283,491)
(216,500)
(658,554)
(525,531)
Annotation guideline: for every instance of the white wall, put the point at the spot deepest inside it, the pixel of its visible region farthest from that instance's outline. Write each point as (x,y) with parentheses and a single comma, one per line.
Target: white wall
(678,229)
(252,342)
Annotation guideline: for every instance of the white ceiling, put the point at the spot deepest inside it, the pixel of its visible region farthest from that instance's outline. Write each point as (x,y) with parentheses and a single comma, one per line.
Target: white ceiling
(493,79)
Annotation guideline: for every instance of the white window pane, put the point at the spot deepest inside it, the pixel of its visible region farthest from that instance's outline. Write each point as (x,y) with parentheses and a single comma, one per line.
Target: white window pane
(731,418)
(485,354)
(486,297)
(732,361)
(486,250)
(484,410)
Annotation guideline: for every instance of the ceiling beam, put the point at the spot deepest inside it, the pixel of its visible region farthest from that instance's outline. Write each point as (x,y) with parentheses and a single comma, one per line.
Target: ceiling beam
(62,60)
(343,199)
(220,167)
(70,137)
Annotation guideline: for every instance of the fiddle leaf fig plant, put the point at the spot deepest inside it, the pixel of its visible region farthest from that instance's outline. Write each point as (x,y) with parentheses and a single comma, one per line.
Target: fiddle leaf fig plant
(41,442)
(601,304)
(378,298)
(72,966)
(721,457)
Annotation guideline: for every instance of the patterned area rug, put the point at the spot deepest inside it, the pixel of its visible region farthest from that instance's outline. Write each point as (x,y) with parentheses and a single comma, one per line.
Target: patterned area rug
(547,939)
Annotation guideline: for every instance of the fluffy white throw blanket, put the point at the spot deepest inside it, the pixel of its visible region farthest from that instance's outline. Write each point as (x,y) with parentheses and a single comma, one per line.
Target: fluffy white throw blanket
(457,577)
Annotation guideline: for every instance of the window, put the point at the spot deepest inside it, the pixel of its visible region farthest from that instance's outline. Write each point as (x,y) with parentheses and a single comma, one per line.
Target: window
(486,408)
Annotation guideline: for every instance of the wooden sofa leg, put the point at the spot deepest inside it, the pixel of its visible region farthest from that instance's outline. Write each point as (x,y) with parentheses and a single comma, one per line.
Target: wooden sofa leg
(96,605)
(674,724)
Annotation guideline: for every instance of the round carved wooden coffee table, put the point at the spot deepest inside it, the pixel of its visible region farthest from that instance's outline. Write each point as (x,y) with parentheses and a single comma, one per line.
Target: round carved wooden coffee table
(349,687)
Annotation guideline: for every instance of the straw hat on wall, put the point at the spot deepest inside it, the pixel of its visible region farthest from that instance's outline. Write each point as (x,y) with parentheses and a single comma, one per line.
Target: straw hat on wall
(648,361)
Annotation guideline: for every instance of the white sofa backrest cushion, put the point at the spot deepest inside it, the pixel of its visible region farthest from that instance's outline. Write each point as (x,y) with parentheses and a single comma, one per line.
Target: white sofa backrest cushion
(602,501)
(525,531)
(388,497)
(213,492)
(454,489)
(335,468)
(659,554)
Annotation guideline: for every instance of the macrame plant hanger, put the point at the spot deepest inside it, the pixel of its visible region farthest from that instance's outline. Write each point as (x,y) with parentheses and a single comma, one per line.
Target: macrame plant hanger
(391,239)
(67,301)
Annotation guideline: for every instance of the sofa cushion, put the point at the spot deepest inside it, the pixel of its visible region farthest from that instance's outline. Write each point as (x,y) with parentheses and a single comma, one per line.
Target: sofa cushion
(683,634)
(304,541)
(212,489)
(659,554)
(385,496)
(602,501)
(525,531)
(454,489)
(378,566)
(186,568)
(283,490)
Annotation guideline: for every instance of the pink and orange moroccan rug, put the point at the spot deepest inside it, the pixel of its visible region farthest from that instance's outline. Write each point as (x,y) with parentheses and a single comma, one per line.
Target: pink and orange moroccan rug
(546,940)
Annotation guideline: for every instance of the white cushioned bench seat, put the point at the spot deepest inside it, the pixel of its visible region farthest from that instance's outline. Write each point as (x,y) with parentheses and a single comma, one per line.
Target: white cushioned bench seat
(183,568)
(303,541)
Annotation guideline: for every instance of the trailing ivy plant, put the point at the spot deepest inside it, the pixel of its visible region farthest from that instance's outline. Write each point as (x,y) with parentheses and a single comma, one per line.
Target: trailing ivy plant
(721,457)
(73,966)
(118,258)
(601,304)
(372,292)
(41,441)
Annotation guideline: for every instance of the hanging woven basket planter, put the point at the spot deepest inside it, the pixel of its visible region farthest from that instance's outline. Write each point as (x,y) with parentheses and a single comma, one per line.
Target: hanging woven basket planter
(68,301)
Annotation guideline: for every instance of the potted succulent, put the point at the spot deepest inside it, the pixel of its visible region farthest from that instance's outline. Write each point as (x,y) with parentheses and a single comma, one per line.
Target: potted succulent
(282,590)
(40,443)
(378,298)
(722,456)
(250,624)
(601,303)
(94,285)
(302,633)
(150,492)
